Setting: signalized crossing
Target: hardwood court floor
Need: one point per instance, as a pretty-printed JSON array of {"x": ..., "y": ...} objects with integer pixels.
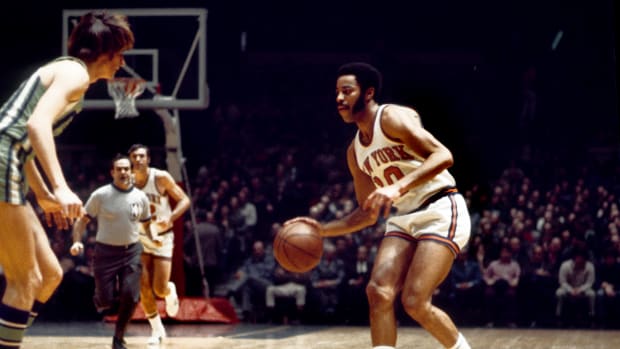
[{"x": 96, "y": 335}]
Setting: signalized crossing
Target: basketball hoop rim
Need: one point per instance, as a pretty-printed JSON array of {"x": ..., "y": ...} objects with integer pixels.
[{"x": 124, "y": 91}]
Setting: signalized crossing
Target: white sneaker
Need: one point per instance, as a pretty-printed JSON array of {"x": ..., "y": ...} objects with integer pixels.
[
  {"x": 156, "y": 338},
  {"x": 172, "y": 300},
  {"x": 158, "y": 332}
]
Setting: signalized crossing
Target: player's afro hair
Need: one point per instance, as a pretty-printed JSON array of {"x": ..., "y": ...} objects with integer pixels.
[{"x": 365, "y": 74}]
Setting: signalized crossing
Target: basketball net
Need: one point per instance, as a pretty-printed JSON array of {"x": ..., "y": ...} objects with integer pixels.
[{"x": 124, "y": 91}]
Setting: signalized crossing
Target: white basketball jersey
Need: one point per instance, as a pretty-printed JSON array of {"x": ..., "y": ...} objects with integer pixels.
[
  {"x": 386, "y": 161},
  {"x": 160, "y": 204}
]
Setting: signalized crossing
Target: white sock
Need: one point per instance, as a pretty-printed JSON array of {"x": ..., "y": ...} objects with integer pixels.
[
  {"x": 156, "y": 324},
  {"x": 461, "y": 343},
  {"x": 383, "y": 347}
]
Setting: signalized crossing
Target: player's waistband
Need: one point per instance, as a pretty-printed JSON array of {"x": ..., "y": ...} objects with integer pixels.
[
  {"x": 117, "y": 247},
  {"x": 438, "y": 195}
]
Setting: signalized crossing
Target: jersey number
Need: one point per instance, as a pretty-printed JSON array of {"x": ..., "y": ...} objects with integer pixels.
[{"x": 391, "y": 175}]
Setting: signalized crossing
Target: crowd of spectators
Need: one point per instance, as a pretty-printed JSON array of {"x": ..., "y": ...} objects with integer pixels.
[
  {"x": 543, "y": 253},
  {"x": 544, "y": 249}
]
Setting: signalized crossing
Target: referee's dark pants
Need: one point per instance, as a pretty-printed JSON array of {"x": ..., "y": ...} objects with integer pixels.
[{"x": 117, "y": 281}]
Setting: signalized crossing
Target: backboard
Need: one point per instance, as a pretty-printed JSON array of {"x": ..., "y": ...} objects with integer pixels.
[{"x": 170, "y": 54}]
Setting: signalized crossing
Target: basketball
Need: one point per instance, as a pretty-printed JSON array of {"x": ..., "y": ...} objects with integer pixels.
[{"x": 298, "y": 247}]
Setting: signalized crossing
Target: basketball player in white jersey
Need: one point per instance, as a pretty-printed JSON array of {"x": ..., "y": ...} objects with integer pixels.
[
  {"x": 160, "y": 187},
  {"x": 398, "y": 165}
]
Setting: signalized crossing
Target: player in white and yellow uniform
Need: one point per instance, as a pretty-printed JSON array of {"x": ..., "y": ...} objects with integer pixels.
[
  {"x": 396, "y": 163},
  {"x": 160, "y": 187}
]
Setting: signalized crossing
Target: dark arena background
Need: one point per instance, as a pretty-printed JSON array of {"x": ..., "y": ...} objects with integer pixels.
[{"x": 524, "y": 93}]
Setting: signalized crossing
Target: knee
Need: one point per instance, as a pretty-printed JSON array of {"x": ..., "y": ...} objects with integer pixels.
[
  {"x": 379, "y": 296},
  {"x": 416, "y": 306},
  {"x": 160, "y": 292}
]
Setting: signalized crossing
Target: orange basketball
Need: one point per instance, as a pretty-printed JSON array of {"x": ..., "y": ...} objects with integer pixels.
[{"x": 298, "y": 247}]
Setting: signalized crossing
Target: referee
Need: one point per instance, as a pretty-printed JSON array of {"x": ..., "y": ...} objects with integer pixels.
[{"x": 119, "y": 209}]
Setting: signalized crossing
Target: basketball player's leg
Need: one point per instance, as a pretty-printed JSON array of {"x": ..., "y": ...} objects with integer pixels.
[
  {"x": 386, "y": 280},
  {"x": 18, "y": 257},
  {"x": 51, "y": 271},
  {"x": 163, "y": 287},
  {"x": 430, "y": 265},
  {"x": 147, "y": 297},
  {"x": 148, "y": 300},
  {"x": 21, "y": 270},
  {"x": 162, "y": 268}
]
